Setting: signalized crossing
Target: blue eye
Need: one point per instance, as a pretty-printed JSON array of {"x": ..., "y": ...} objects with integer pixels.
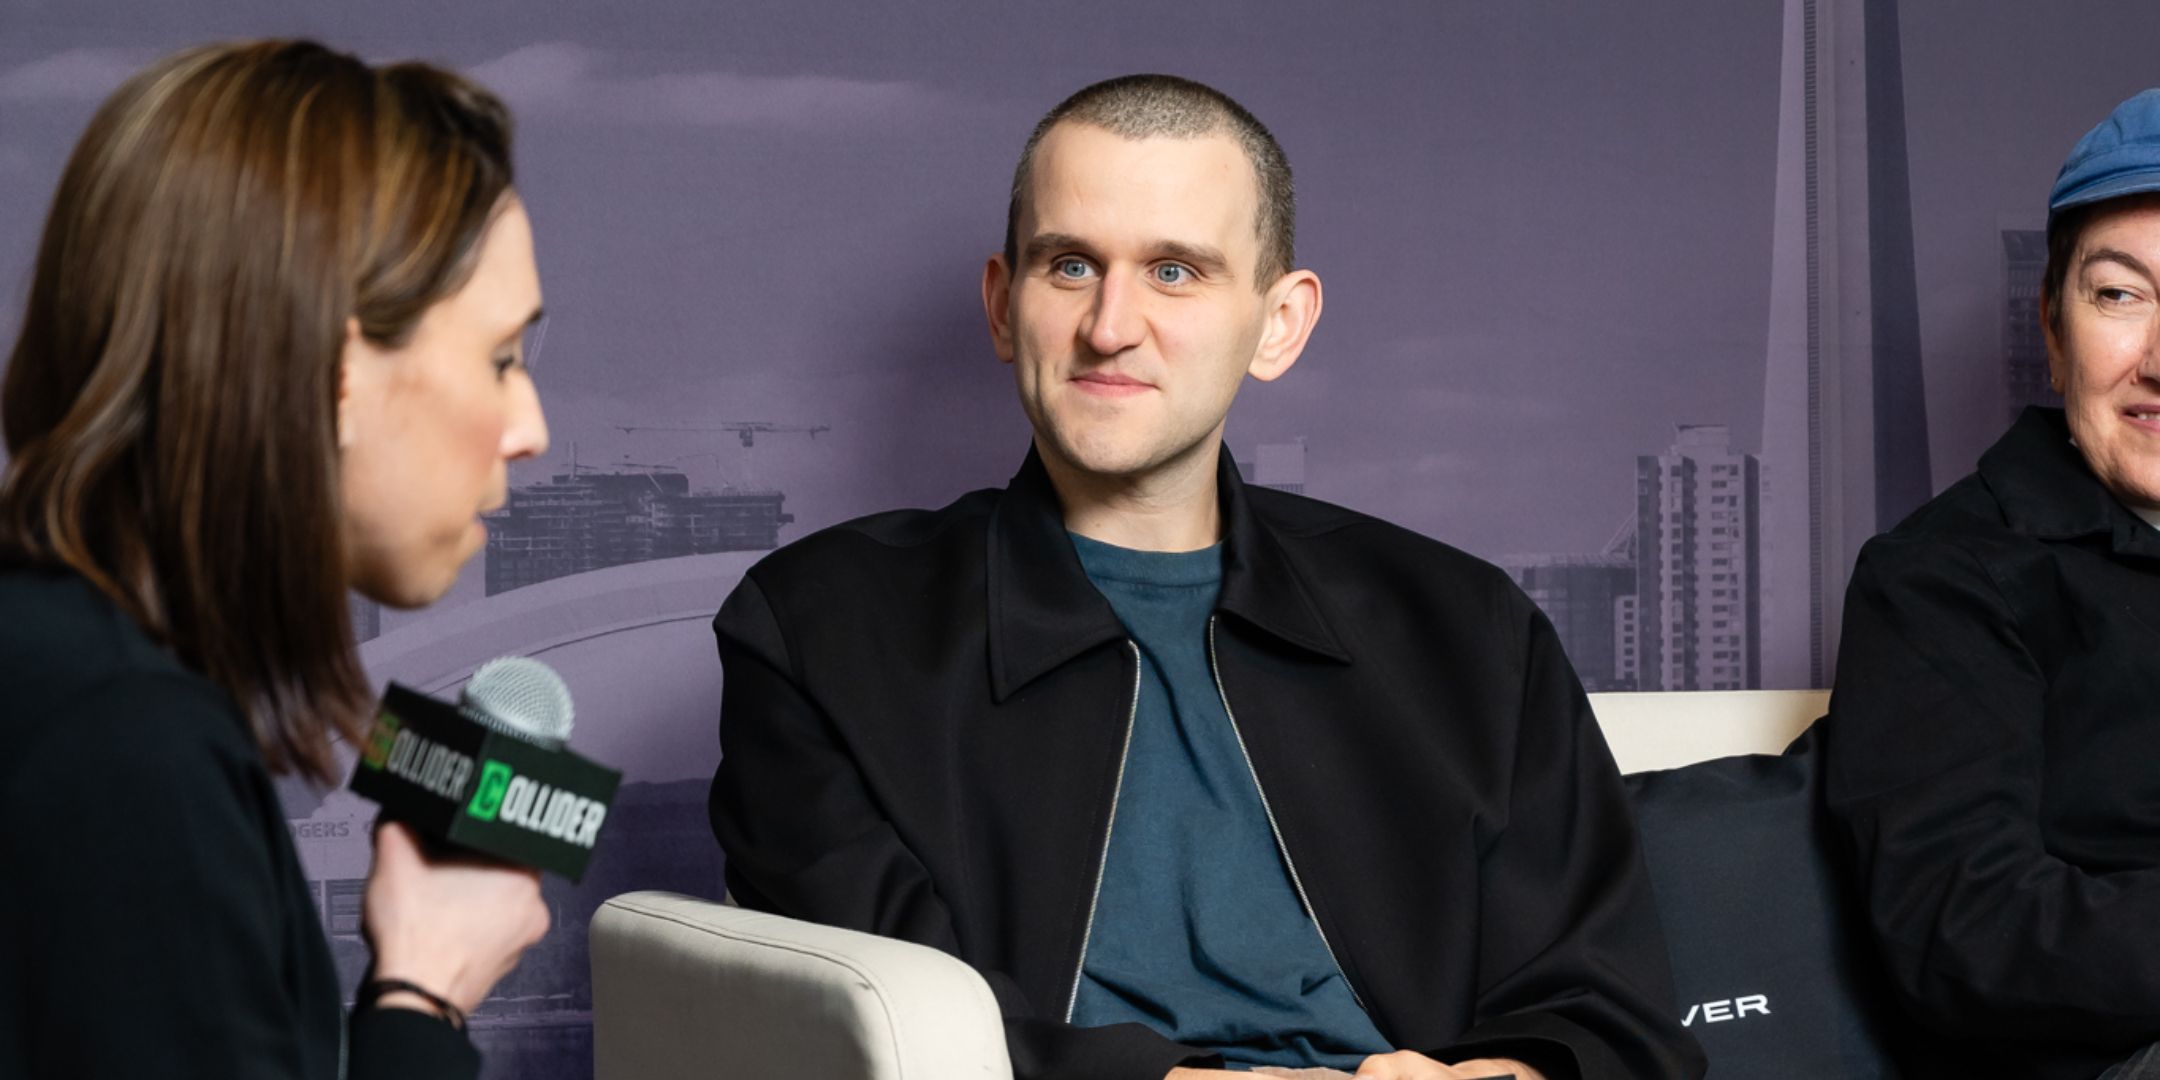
[
  {"x": 1172, "y": 274},
  {"x": 1070, "y": 269}
]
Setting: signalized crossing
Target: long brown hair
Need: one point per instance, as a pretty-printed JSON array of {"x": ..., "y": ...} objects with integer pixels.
[{"x": 171, "y": 403}]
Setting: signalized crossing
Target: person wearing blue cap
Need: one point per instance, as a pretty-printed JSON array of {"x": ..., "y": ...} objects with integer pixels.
[{"x": 1992, "y": 746}]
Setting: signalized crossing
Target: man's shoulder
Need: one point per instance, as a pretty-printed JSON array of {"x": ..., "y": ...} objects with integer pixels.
[
  {"x": 874, "y": 543},
  {"x": 1337, "y": 542}
]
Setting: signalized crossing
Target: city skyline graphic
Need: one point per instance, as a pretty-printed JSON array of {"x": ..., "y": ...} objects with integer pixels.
[{"x": 1665, "y": 309}]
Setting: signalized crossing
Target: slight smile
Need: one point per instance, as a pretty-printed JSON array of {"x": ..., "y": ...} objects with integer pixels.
[{"x": 1109, "y": 384}]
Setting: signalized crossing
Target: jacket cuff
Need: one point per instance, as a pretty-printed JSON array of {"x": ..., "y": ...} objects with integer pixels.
[{"x": 408, "y": 1044}]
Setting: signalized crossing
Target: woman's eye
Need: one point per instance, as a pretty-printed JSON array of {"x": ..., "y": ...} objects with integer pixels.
[{"x": 503, "y": 364}]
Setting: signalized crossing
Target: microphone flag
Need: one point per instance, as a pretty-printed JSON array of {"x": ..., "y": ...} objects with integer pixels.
[{"x": 434, "y": 769}]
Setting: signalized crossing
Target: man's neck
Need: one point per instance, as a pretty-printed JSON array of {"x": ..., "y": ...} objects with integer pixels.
[{"x": 1173, "y": 508}]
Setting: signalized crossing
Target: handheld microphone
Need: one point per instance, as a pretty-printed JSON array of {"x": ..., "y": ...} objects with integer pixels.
[{"x": 490, "y": 774}]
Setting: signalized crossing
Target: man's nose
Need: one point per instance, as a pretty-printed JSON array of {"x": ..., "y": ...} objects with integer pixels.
[{"x": 1116, "y": 322}]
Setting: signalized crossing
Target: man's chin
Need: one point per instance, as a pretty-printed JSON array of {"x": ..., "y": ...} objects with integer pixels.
[{"x": 1109, "y": 460}]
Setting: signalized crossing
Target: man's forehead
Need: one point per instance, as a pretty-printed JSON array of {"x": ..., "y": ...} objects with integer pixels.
[{"x": 1085, "y": 178}]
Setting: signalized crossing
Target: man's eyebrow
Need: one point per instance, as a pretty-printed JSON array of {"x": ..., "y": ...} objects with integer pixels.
[
  {"x": 2113, "y": 255},
  {"x": 1199, "y": 256},
  {"x": 1046, "y": 243}
]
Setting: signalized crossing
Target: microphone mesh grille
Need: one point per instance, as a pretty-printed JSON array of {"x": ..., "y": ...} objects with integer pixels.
[{"x": 519, "y": 696}]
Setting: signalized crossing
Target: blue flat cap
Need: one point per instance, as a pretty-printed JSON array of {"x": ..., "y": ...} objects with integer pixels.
[{"x": 2120, "y": 157}]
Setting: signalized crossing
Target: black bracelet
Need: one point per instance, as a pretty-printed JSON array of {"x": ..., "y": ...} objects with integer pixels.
[{"x": 372, "y": 991}]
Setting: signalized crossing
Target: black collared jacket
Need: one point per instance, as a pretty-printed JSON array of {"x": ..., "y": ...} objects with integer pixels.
[
  {"x": 924, "y": 723},
  {"x": 1993, "y": 757}
]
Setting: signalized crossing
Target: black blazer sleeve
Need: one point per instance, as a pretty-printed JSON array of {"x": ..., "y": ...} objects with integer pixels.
[
  {"x": 805, "y": 839},
  {"x": 144, "y": 916},
  {"x": 1573, "y": 973},
  {"x": 1936, "y": 742}
]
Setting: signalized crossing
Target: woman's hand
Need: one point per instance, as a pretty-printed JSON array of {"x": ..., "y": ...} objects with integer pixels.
[{"x": 454, "y": 927}]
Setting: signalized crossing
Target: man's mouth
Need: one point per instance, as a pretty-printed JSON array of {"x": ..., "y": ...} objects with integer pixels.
[{"x": 1110, "y": 383}]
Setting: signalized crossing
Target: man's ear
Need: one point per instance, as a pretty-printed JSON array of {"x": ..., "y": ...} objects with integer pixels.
[
  {"x": 1292, "y": 307},
  {"x": 997, "y": 305}
]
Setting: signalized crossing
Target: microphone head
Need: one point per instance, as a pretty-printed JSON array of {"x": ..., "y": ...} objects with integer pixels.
[{"x": 519, "y": 696}]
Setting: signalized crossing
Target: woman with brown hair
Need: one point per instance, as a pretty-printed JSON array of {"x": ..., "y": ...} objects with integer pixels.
[{"x": 271, "y": 351}]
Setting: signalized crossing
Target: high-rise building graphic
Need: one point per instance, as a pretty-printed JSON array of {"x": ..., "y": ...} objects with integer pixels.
[
  {"x": 1627, "y": 643},
  {"x": 587, "y": 519},
  {"x": 2024, "y": 347},
  {"x": 1590, "y": 602},
  {"x": 1845, "y": 443},
  {"x": 1697, "y": 610}
]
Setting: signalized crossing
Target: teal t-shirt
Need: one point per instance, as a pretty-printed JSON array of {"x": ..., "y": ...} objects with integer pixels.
[{"x": 1198, "y": 931}]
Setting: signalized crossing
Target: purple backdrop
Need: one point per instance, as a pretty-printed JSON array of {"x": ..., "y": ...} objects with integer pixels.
[{"x": 1563, "y": 248}]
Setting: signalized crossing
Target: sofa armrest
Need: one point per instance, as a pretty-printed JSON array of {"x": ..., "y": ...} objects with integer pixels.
[
  {"x": 687, "y": 988},
  {"x": 1654, "y": 730}
]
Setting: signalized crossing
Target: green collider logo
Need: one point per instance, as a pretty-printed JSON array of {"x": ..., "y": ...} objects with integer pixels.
[
  {"x": 487, "y": 798},
  {"x": 506, "y": 796}
]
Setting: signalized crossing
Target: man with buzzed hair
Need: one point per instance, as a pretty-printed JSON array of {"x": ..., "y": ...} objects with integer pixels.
[{"x": 1198, "y": 775}]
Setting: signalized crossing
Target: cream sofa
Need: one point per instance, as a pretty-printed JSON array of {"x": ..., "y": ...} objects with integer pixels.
[{"x": 686, "y": 988}]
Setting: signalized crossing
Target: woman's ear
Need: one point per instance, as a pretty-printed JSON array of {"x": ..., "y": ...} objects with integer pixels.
[{"x": 355, "y": 377}]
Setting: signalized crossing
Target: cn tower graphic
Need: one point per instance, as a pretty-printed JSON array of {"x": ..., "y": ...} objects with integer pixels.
[{"x": 1845, "y": 442}]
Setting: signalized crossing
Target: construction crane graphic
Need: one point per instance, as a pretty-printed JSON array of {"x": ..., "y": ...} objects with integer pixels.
[{"x": 746, "y": 430}]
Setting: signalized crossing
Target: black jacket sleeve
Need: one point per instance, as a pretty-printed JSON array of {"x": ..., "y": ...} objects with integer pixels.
[
  {"x": 1573, "y": 974},
  {"x": 403, "y": 1044},
  {"x": 146, "y": 911},
  {"x": 1934, "y": 757},
  {"x": 805, "y": 839}
]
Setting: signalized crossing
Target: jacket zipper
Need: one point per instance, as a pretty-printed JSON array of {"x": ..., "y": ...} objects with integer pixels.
[
  {"x": 1087, "y": 932},
  {"x": 1267, "y": 808}
]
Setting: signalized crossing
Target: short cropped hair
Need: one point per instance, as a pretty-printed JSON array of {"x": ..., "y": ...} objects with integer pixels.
[{"x": 1166, "y": 106}]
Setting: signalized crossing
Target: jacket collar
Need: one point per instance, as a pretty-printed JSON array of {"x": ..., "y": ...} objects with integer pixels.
[
  {"x": 2047, "y": 490},
  {"x": 1043, "y": 610}
]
